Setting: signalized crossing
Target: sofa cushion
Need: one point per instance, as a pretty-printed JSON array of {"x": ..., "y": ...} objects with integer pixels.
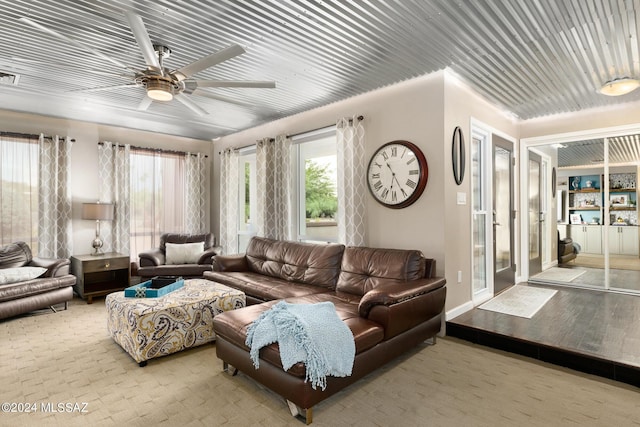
[
  {"x": 261, "y": 287},
  {"x": 364, "y": 268},
  {"x": 16, "y": 254},
  {"x": 305, "y": 263},
  {"x": 183, "y": 253},
  {"x": 15, "y": 291},
  {"x": 20, "y": 274}
]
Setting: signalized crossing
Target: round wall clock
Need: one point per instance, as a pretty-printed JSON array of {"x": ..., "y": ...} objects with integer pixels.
[{"x": 397, "y": 174}]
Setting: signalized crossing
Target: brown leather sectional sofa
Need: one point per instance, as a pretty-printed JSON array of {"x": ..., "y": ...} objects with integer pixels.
[
  {"x": 54, "y": 286},
  {"x": 388, "y": 298}
]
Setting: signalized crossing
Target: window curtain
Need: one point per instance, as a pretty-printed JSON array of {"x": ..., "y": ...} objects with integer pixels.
[
  {"x": 351, "y": 182},
  {"x": 273, "y": 178},
  {"x": 196, "y": 194},
  {"x": 19, "y": 190},
  {"x": 55, "y": 239},
  {"x": 229, "y": 194},
  {"x": 114, "y": 177}
]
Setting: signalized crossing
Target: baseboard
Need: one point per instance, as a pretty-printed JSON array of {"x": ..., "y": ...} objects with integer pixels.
[{"x": 457, "y": 311}]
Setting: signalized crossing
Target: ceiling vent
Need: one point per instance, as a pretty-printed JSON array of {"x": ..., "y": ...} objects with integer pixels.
[{"x": 9, "y": 79}]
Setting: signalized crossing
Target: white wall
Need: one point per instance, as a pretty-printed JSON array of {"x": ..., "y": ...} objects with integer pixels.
[{"x": 84, "y": 157}]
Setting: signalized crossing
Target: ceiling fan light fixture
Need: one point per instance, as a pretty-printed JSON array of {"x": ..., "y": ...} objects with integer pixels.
[
  {"x": 621, "y": 86},
  {"x": 159, "y": 89}
]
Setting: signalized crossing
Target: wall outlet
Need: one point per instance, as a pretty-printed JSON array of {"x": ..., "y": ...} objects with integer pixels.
[{"x": 459, "y": 276}]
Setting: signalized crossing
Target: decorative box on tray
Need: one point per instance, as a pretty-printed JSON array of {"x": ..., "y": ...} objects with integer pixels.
[{"x": 156, "y": 287}]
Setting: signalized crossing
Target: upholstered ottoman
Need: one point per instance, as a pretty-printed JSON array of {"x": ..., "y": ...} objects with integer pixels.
[{"x": 153, "y": 327}]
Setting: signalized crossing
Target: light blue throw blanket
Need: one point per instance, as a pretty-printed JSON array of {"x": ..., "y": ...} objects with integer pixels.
[{"x": 308, "y": 333}]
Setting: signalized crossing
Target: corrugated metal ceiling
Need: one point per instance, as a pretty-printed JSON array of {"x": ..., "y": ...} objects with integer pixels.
[{"x": 532, "y": 58}]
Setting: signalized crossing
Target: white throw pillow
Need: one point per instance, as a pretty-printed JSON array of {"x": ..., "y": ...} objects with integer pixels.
[
  {"x": 183, "y": 253},
  {"x": 20, "y": 274}
]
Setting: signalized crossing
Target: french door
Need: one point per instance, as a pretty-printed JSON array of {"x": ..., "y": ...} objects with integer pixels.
[{"x": 492, "y": 176}]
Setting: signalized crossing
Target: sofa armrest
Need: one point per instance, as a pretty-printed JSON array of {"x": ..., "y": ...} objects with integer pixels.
[
  {"x": 230, "y": 263},
  {"x": 207, "y": 256},
  {"x": 395, "y": 292},
  {"x": 55, "y": 267},
  {"x": 152, "y": 258}
]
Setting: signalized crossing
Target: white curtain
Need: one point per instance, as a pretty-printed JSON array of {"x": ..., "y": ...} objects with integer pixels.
[
  {"x": 273, "y": 177},
  {"x": 351, "y": 182},
  {"x": 55, "y": 238},
  {"x": 196, "y": 194},
  {"x": 114, "y": 177},
  {"x": 229, "y": 194},
  {"x": 19, "y": 190}
]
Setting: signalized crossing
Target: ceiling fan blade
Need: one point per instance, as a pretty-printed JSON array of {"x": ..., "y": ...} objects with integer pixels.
[
  {"x": 72, "y": 41},
  {"x": 191, "y": 105},
  {"x": 99, "y": 88},
  {"x": 142, "y": 38},
  {"x": 236, "y": 83},
  {"x": 209, "y": 61},
  {"x": 145, "y": 103}
]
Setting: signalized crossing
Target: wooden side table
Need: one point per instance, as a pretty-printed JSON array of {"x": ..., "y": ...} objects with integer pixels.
[{"x": 98, "y": 275}]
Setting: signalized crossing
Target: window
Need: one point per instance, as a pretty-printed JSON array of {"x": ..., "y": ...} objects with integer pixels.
[
  {"x": 157, "y": 197},
  {"x": 315, "y": 189},
  {"x": 316, "y": 195},
  {"x": 247, "y": 198},
  {"x": 19, "y": 190}
]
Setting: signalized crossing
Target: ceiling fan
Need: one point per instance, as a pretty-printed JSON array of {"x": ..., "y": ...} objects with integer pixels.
[{"x": 161, "y": 83}]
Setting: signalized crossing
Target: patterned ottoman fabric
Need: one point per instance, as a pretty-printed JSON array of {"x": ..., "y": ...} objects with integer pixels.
[{"x": 153, "y": 327}]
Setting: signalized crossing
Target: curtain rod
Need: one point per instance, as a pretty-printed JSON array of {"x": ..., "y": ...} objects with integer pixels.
[
  {"x": 360, "y": 118},
  {"x": 159, "y": 150},
  {"x": 28, "y": 135}
]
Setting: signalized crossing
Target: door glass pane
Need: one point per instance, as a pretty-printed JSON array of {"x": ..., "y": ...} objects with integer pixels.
[
  {"x": 534, "y": 209},
  {"x": 479, "y": 253},
  {"x": 479, "y": 218},
  {"x": 502, "y": 197}
]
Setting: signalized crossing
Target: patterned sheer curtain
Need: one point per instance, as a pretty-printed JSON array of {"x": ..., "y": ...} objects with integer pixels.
[
  {"x": 55, "y": 238},
  {"x": 274, "y": 198},
  {"x": 351, "y": 182},
  {"x": 196, "y": 194},
  {"x": 114, "y": 176},
  {"x": 229, "y": 194},
  {"x": 19, "y": 190}
]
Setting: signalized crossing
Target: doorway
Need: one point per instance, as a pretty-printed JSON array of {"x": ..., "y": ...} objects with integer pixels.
[
  {"x": 597, "y": 175},
  {"x": 493, "y": 214}
]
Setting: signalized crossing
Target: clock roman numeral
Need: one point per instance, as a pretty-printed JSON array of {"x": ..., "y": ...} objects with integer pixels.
[
  {"x": 377, "y": 185},
  {"x": 375, "y": 175},
  {"x": 411, "y": 183},
  {"x": 411, "y": 160},
  {"x": 404, "y": 193},
  {"x": 414, "y": 172},
  {"x": 394, "y": 151},
  {"x": 384, "y": 193},
  {"x": 394, "y": 196},
  {"x": 385, "y": 155}
]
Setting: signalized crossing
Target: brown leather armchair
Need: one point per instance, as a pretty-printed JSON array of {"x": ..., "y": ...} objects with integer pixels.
[
  {"x": 566, "y": 250},
  {"x": 154, "y": 261}
]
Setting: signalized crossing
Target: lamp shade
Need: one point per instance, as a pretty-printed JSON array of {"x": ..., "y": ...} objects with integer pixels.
[{"x": 99, "y": 211}]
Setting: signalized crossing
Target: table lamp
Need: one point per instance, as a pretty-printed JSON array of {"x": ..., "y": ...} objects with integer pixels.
[{"x": 98, "y": 212}]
